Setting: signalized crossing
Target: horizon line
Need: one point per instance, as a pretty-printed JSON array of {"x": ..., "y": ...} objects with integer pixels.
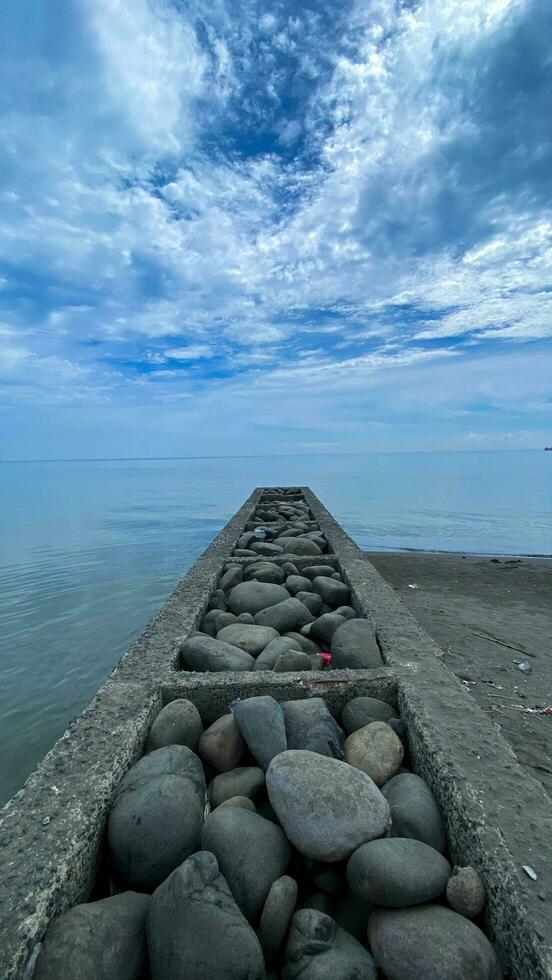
[{"x": 364, "y": 452}]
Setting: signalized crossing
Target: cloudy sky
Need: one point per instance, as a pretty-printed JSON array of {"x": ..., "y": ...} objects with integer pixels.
[{"x": 258, "y": 227}]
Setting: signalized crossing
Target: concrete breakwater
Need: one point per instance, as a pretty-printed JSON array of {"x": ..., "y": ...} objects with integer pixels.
[{"x": 55, "y": 845}]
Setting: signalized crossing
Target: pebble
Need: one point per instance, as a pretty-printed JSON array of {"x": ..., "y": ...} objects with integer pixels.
[
  {"x": 376, "y": 750},
  {"x": 466, "y": 892},
  {"x": 354, "y": 645},
  {"x": 397, "y": 872},
  {"x": 221, "y": 746},
  {"x": 178, "y": 723},
  {"x": 414, "y": 810},
  {"x": 261, "y": 723},
  {"x": 244, "y": 781},
  {"x": 276, "y": 915},
  {"x": 318, "y": 949}
]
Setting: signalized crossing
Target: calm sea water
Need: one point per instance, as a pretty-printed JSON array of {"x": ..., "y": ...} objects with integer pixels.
[{"x": 89, "y": 550}]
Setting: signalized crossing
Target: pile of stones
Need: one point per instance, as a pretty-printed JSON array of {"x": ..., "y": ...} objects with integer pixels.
[{"x": 277, "y": 842}]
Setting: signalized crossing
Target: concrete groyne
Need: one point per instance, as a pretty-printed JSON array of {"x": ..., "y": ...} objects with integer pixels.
[{"x": 53, "y": 833}]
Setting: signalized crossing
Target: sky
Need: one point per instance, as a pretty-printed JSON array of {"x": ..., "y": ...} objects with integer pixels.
[{"x": 274, "y": 227}]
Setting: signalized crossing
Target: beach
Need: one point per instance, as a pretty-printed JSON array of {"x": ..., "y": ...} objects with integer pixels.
[{"x": 489, "y": 615}]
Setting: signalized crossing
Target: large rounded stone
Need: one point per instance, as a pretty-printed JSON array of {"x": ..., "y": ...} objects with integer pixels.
[
  {"x": 178, "y": 723},
  {"x": 312, "y": 571},
  {"x": 397, "y": 872},
  {"x": 270, "y": 654},
  {"x": 376, "y": 750},
  {"x": 354, "y": 645},
  {"x": 306, "y": 645},
  {"x": 252, "y": 639},
  {"x": 242, "y": 801},
  {"x": 361, "y": 711},
  {"x": 298, "y": 583},
  {"x": 317, "y": 949},
  {"x": 191, "y": 919},
  {"x": 252, "y": 853},
  {"x": 327, "y": 808},
  {"x": 414, "y": 810},
  {"x": 310, "y": 725},
  {"x": 253, "y": 596},
  {"x": 261, "y": 723},
  {"x": 221, "y": 746},
  {"x": 215, "y": 620},
  {"x": 203, "y": 653},
  {"x": 275, "y": 917},
  {"x": 233, "y": 576},
  {"x": 333, "y": 593},
  {"x": 292, "y": 660},
  {"x": 466, "y": 892},
  {"x": 430, "y": 942},
  {"x": 156, "y": 819},
  {"x": 244, "y": 781},
  {"x": 299, "y": 546},
  {"x": 324, "y": 628},
  {"x": 97, "y": 941},
  {"x": 312, "y": 601},
  {"x": 267, "y": 572},
  {"x": 285, "y": 616}
]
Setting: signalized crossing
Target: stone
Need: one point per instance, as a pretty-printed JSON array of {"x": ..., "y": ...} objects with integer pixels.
[
  {"x": 242, "y": 801},
  {"x": 352, "y": 915},
  {"x": 266, "y": 572},
  {"x": 245, "y": 618},
  {"x": 253, "y": 596},
  {"x": 327, "y": 808},
  {"x": 312, "y": 601},
  {"x": 361, "y": 711},
  {"x": 376, "y": 750},
  {"x": 318, "y": 949},
  {"x": 354, "y": 645},
  {"x": 324, "y": 628},
  {"x": 293, "y": 660},
  {"x": 466, "y": 892},
  {"x": 243, "y": 781},
  {"x": 310, "y": 725},
  {"x": 347, "y": 612},
  {"x": 245, "y": 539},
  {"x": 400, "y": 729},
  {"x": 414, "y": 810},
  {"x": 156, "y": 819},
  {"x": 267, "y": 549},
  {"x": 251, "y": 638},
  {"x": 298, "y": 583},
  {"x": 261, "y": 723},
  {"x": 97, "y": 941},
  {"x": 244, "y": 553},
  {"x": 276, "y": 915},
  {"x": 191, "y": 917},
  {"x": 202, "y": 653},
  {"x": 397, "y": 872},
  {"x": 430, "y": 941},
  {"x": 316, "y": 660},
  {"x": 251, "y": 852},
  {"x": 333, "y": 593},
  {"x": 221, "y": 746},
  {"x": 289, "y": 568},
  {"x": 218, "y": 600},
  {"x": 178, "y": 723},
  {"x": 270, "y": 654},
  {"x": 215, "y": 620},
  {"x": 299, "y": 546},
  {"x": 307, "y": 646},
  {"x": 312, "y": 571},
  {"x": 233, "y": 576},
  {"x": 285, "y": 616}
]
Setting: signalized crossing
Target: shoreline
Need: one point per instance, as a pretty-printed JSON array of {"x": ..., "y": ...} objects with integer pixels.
[{"x": 456, "y": 554}]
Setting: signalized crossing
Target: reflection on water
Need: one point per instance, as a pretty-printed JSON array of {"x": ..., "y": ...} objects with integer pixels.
[{"x": 89, "y": 550}]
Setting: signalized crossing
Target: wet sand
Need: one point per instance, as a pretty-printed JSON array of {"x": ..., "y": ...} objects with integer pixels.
[{"x": 488, "y": 615}]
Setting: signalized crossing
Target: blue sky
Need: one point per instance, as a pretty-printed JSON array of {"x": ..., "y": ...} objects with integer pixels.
[{"x": 274, "y": 227}]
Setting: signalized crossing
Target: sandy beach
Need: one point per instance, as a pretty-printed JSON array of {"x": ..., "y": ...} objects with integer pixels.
[{"x": 489, "y": 615}]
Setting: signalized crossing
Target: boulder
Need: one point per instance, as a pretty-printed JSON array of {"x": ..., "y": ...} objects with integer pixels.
[
  {"x": 276, "y": 915},
  {"x": 361, "y": 711},
  {"x": 311, "y": 571},
  {"x": 202, "y": 653},
  {"x": 267, "y": 572},
  {"x": 232, "y": 576},
  {"x": 354, "y": 645},
  {"x": 310, "y": 725},
  {"x": 253, "y": 596},
  {"x": 292, "y": 660},
  {"x": 298, "y": 583},
  {"x": 397, "y": 872},
  {"x": 376, "y": 750},
  {"x": 178, "y": 723},
  {"x": 324, "y": 628},
  {"x": 285, "y": 616},
  {"x": 312, "y": 601},
  {"x": 299, "y": 546},
  {"x": 289, "y": 568},
  {"x": 97, "y": 941},
  {"x": 333, "y": 593},
  {"x": 191, "y": 919},
  {"x": 266, "y": 549},
  {"x": 251, "y": 638},
  {"x": 261, "y": 723},
  {"x": 221, "y": 746},
  {"x": 414, "y": 810},
  {"x": 430, "y": 941},
  {"x": 251, "y": 852},
  {"x": 270, "y": 654},
  {"x": 317, "y": 949},
  {"x": 244, "y": 781},
  {"x": 327, "y": 808}
]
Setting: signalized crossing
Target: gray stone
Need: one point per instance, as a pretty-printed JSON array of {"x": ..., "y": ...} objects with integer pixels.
[
  {"x": 243, "y": 801},
  {"x": 252, "y": 853},
  {"x": 156, "y": 819},
  {"x": 376, "y": 750},
  {"x": 298, "y": 583},
  {"x": 333, "y": 593},
  {"x": 323, "y": 629},
  {"x": 276, "y": 915},
  {"x": 307, "y": 646},
  {"x": 430, "y": 942},
  {"x": 178, "y": 723},
  {"x": 414, "y": 810},
  {"x": 251, "y": 638},
  {"x": 270, "y": 654},
  {"x": 316, "y": 660},
  {"x": 266, "y": 549},
  {"x": 253, "y": 596},
  {"x": 312, "y": 571},
  {"x": 310, "y": 725},
  {"x": 243, "y": 781},
  {"x": 285, "y": 616},
  {"x": 299, "y": 546},
  {"x": 261, "y": 723},
  {"x": 466, "y": 892},
  {"x": 327, "y": 808},
  {"x": 218, "y": 600},
  {"x": 97, "y": 941},
  {"x": 293, "y": 660},
  {"x": 191, "y": 917},
  {"x": 221, "y": 746},
  {"x": 202, "y": 653},
  {"x": 347, "y": 612},
  {"x": 317, "y": 949},
  {"x": 397, "y": 872},
  {"x": 244, "y": 553},
  {"x": 267, "y": 572},
  {"x": 354, "y": 645},
  {"x": 361, "y": 711},
  {"x": 289, "y": 568},
  {"x": 246, "y": 618},
  {"x": 312, "y": 601},
  {"x": 233, "y": 576},
  {"x": 215, "y": 620},
  {"x": 245, "y": 539}
]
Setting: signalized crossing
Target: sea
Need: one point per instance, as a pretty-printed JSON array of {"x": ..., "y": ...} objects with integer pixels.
[{"x": 89, "y": 549}]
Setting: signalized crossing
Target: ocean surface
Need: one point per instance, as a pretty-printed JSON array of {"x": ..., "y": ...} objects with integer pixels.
[{"x": 90, "y": 549}]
